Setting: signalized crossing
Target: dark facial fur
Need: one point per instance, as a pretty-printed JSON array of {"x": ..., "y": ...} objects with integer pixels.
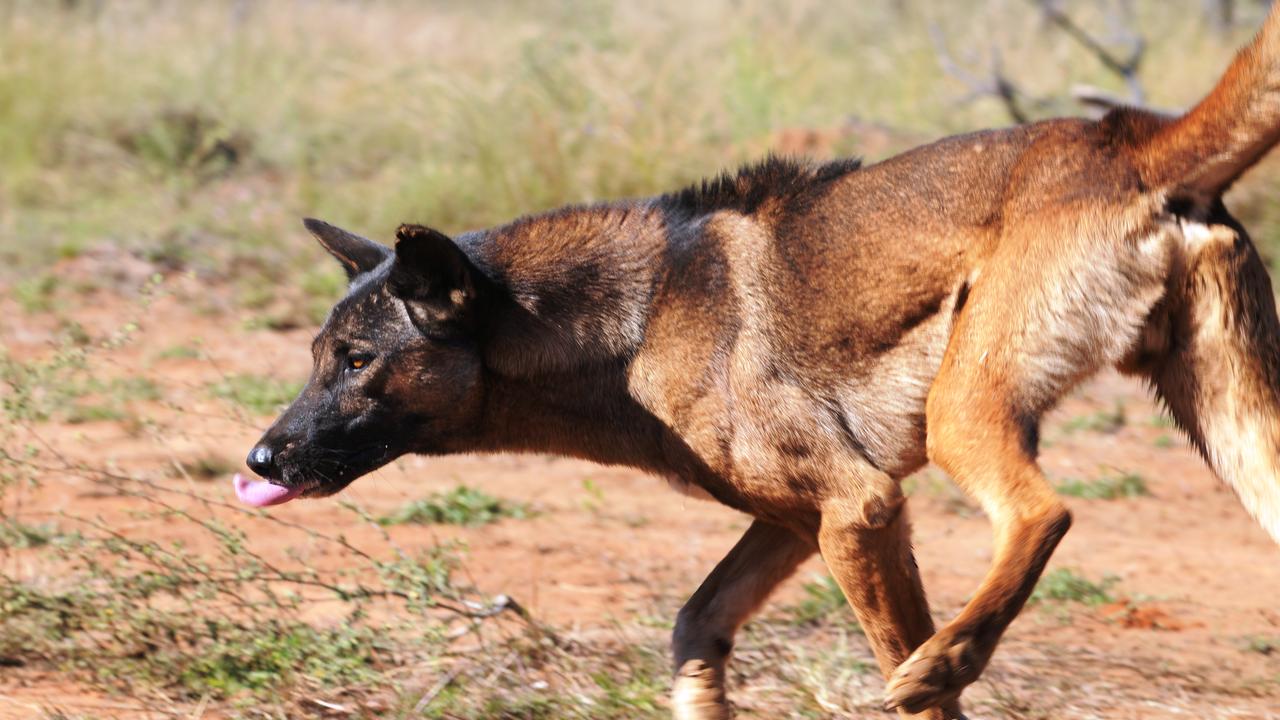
[{"x": 393, "y": 333}]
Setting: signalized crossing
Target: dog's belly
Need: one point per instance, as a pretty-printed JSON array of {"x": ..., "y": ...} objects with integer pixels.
[
  {"x": 770, "y": 443},
  {"x": 884, "y": 404},
  {"x": 775, "y": 397}
]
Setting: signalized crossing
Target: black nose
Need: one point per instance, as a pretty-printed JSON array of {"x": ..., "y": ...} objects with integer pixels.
[{"x": 262, "y": 461}]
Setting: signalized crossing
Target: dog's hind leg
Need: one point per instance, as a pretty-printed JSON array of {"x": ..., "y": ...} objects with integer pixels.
[
  {"x": 703, "y": 639},
  {"x": 1219, "y": 372},
  {"x": 871, "y": 559},
  {"x": 1031, "y": 329}
]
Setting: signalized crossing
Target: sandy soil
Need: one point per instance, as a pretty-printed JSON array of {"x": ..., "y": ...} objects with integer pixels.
[{"x": 1197, "y": 579}]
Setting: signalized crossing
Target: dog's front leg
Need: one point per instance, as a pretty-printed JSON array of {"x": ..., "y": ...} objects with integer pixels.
[
  {"x": 703, "y": 639},
  {"x": 869, "y": 554}
]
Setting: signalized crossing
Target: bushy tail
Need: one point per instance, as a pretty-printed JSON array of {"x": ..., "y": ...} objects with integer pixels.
[
  {"x": 1221, "y": 379},
  {"x": 1204, "y": 151}
]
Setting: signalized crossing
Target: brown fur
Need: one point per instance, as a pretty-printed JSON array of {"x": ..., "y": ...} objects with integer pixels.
[{"x": 795, "y": 339}]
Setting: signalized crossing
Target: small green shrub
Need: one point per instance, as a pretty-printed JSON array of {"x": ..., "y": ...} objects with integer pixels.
[
  {"x": 262, "y": 658},
  {"x": 36, "y": 294},
  {"x": 208, "y": 467},
  {"x": 179, "y": 352},
  {"x": 460, "y": 506},
  {"x": 823, "y": 601},
  {"x": 1103, "y": 421},
  {"x": 1111, "y": 487},
  {"x": 20, "y": 536},
  {"x": 184, "y": 143},
  {"x": 1262, "y": 645},
  {"x": 256, "y": 393},
  {"x": 1064, "y": 585},
  {"x": 115, "y": 396}
]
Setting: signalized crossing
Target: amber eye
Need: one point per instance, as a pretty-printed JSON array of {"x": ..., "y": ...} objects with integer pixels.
[{"x": 357, "y": 361}]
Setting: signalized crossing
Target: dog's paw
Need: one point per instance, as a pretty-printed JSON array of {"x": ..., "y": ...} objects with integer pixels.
[
  {"x": 934, "y": 675},
  {"x": 698, "y": 694}
]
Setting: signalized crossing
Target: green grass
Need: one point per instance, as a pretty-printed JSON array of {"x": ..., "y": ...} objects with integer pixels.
[
  {"x": 261, "y": 659},
  {"x": 20, "y": 536},
  {"x": 110, "y": 401},
  {"x": 936, "y": 485},
  {"x": 209, "y": 467},
  {"x": 823, "y": 601},
  {"x": 36, "y": 294},
  {"x": 64, "y": 387},
  {"x": 180, "y": 352},
  {"x": 1263, "y": 645},
  {"x": 202, "y": 155},
  {"x": 629, "y": 682},
  {"x": 594, "y": 500},
  {"x": 1109, "y": 487},
  {"x": 460, "y": 506},
  {"x": 1103, "y": 421},
  {"x": 321, "y": 287},
  {"x": 638, "y": 693},
  {"x": 121, "y": 640},
  {"x": 1066, "y": 586},
  {"x": 259, "y": 394}
]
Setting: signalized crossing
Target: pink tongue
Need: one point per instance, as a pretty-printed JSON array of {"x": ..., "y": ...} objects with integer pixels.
[{"x": 260, "y": 493}]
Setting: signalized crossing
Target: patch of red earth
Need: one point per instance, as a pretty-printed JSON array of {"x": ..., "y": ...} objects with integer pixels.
[{"x": 609, "y": 544}]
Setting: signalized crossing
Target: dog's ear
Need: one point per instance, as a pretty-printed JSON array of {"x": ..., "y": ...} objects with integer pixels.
[
  {"x": 432, "y": 275},
  {"x": 358, "y": 255}
]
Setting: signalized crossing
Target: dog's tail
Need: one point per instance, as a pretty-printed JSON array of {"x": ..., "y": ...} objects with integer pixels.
[
  {"x": 1220, "y": 377},
  {"x": 1204, "y": 151}
]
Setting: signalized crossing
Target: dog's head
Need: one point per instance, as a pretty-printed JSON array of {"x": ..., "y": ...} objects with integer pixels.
[{"x": 396, "y": 368}]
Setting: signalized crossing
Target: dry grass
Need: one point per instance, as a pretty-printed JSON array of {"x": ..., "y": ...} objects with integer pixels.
[{"x": 195, "y": 134}]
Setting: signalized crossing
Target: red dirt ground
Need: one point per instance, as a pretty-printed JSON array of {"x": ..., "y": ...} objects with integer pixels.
[{"x": 1197, "y": 579}]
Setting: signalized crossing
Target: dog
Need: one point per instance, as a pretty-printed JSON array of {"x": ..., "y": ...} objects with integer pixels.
[{"x": 794, "y": 339}]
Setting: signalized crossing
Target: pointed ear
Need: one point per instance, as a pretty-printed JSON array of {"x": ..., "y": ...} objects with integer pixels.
[
  {"x": 432, "y": 275},
  {"x": 358, "y": 255}
]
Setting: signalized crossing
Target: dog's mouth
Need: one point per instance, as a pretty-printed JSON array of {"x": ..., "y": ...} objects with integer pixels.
[
  {"x": 255, "y": 492},
  {"x": 259, "y": 492}
]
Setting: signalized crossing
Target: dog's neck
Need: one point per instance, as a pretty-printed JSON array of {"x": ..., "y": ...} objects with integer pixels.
[
  {"x": 571, "y": 296},
  {"x": 569, "y": 288},
  {"x": 586, "y": 414}
]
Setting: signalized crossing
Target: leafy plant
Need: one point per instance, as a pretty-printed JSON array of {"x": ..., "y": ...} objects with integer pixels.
[
  {"x": 823, "y": 601},
  {"x": 1064, "y": 585},
  {"x": 1110, "y": 487},
  {"x": 258, "y": 394},
  {"x": 1262, "y": 645},
  {"x": 19, "y": 535},
  {"x": 36, "y": 294},
  {"x": 208, "y": 467},
  {"x": 1103, "y": 421},
  {"x": 460, "y": 506}
]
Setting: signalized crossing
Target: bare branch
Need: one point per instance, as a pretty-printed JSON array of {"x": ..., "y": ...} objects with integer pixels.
[
  {"x": 996, "y": 84},
  {"x": 1125, "y": 67}
]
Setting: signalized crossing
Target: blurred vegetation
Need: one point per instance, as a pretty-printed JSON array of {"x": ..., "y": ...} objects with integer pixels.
[
  {"x": 1108, "y": 487},
  {"x": 258, "y": 394},
  {"x": 1064, "y": 585},
  {"x": 194, "y": 134},
  {"x": 460, "y": 506},
  {"x": 823, "y": 602}
]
